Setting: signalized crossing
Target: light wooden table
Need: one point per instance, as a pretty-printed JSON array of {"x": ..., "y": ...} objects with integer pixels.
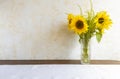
[{"x": 33, "y": 62}]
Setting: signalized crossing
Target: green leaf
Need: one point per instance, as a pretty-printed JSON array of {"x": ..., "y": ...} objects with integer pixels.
[{"x": 98, "y": 36}]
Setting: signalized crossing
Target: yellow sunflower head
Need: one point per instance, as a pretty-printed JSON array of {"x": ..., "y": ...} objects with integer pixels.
[
  {"x": 70, "y": 18},
  {"x": 79, "y": 24},
  {"x": 102, "y": 20}
]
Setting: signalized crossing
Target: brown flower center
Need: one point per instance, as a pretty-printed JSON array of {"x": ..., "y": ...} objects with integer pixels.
[
  {"x": 70, "y": 21},
  {"x": 79, "y": 24},
  {"x": 101, "y": 20}
]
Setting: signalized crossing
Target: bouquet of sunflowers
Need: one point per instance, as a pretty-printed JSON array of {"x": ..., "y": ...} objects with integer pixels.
[{"x": 88, "y": 26}]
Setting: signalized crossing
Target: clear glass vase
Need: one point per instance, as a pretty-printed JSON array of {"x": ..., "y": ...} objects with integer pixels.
[{"x": 85, "y": 51}]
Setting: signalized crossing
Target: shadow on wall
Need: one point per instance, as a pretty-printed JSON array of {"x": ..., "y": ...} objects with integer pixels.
[
  {"x": 58, "y": 43},
  {"x": 2, "y": 1},
  {"x": 63, "y": 41}
]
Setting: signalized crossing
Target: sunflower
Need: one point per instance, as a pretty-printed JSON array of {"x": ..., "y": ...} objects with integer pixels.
[
  {"x": 79, "y": 24},
  {"x": 102, "y": 20},
  {"x": 70, "y": 18}
]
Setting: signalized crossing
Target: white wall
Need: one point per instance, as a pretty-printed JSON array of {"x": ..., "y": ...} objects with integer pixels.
[{"x": 37, "y": 29}]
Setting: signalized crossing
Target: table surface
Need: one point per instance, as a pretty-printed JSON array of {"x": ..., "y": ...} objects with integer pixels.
[
  {"x": 30, "y": 62},
  {"x": 59, "y": 71}
]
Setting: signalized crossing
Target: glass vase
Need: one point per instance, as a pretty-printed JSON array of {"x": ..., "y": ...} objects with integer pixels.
[{"x": 85, "y": 51}]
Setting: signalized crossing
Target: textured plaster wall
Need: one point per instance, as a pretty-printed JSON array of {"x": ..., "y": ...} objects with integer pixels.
[{"x": 37, "y": 29}]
